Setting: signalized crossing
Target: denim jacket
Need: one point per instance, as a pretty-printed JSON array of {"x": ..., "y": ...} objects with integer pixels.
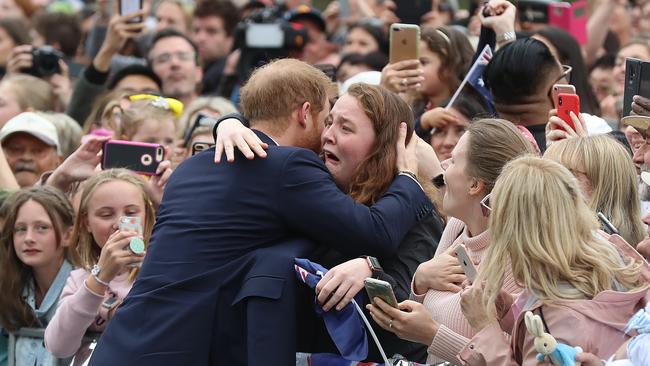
[{"x": 31, "y": 351}]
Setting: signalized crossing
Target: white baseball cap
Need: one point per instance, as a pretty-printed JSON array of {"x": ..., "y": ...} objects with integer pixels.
[{"x": 33, "y": 124}]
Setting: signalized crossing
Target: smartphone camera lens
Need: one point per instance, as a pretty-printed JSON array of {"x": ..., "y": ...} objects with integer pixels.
[{"x": 146, "y": 160}]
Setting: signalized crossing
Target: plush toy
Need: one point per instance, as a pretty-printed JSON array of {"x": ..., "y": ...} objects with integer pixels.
[{"x": 558, "y": 354}]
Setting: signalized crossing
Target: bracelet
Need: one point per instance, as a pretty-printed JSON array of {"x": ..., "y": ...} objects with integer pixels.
[
  {"x": 506, "y": 37},
  {"x": 96, "y": 277},
  {"x": 409, "y": 173}
]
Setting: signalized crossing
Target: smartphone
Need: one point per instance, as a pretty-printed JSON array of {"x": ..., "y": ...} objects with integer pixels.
[
  {"x": 140, "y": 157},
  {"x": 380, "y": 289},
  {"x": 466, "y": 262},
  {"x": 131, "y": 223},
  {"x": 561, "y": 88},
  {"x": 571, "y": 17},
  {"x": 201, "y": 120},
  {"x": 128, "y": 7},
  {"x": 606, "y": 225},
  {"x": 404, "y": 42},
  {"x": 197, "y": 147},
  {"x": 637, "y": 82},
  {"x": 567, "y": 103}
]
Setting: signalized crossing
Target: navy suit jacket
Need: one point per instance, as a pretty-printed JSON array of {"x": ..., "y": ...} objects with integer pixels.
[{"x": 217, "y": 285}]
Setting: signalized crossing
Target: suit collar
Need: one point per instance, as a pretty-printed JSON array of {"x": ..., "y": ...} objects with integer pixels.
[{"x": 266, "y": 138}]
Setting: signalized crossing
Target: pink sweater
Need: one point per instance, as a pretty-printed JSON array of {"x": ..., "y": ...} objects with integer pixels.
[
  {"x": 78, "y": 312},
  {"x": 455, "y": 332}
]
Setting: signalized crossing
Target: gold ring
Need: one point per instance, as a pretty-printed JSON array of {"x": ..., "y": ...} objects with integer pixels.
[{"x": 390, "y": 324}]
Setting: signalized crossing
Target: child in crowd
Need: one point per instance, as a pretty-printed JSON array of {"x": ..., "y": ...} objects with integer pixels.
[
  {"x": 33, "y": 257},
  {"x": 150, "y": 121},
  {"x": 103, "y": 257}
]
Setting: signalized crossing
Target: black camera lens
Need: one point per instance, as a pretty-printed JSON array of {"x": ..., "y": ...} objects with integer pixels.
[{"x": 45, "y": 62}]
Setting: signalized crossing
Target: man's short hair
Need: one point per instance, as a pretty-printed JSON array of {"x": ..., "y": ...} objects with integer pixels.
[
  {"x": 134, "y": 69},
  {"x": 223, "y": 9},
  {"x": 169, "y": 33},
  {"x": 64, "y": 29},
  {"x": 275, "y": 90}
]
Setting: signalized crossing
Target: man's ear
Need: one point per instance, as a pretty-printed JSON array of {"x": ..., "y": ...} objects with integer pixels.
[{"x": 304, "y": 114}]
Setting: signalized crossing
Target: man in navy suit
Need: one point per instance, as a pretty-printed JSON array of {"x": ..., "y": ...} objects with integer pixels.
[{"x": 217, "y": 284}]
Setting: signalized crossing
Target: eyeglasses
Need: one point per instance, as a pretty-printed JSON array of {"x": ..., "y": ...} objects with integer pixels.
[
  {"x": 168, "y": 104},
  {"x": 485, "y": 206},
  {"x": 166, "y": 57},
  {"x": 565, "y": 78},
  {"x": 566, "y": 74}
]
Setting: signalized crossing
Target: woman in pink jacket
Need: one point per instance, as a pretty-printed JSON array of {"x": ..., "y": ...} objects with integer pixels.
[
  {"x": 576, "y": 281},
  {"x": 101, "y": 253}
]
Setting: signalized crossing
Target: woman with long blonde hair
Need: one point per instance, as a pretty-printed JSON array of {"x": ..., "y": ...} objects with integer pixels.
[
  {"x": 607, "y": 178},
  {"x": 580, "y": 285}
]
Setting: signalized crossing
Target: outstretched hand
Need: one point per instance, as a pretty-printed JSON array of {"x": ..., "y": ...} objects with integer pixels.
[{"x": 79, "y": 166}]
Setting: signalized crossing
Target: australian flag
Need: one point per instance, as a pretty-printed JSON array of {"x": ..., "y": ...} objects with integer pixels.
[
  {"x": 475, "y": 78},
  {"x": 345, "y": 327},
  {"x": 475, "y": 75}
]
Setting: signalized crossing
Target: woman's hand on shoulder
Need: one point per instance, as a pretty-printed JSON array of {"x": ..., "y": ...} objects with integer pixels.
[{"x": 232, "y": 133}]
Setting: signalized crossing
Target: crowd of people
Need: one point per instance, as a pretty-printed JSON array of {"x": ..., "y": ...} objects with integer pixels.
[{"x": 320, "y": 147}]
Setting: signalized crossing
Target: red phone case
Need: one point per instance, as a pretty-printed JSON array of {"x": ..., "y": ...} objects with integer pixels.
[
  {"x": 568, "y": 103},
  {"x": 140, "y": 157}
]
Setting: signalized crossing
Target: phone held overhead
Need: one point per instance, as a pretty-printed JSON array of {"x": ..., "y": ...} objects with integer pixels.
[
  {"x": 404, "y": 42},
  {"x": 140, "y": 157}
]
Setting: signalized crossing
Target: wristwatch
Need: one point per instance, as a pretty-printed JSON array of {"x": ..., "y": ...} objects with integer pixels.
[{"x": 374, "y": 265}]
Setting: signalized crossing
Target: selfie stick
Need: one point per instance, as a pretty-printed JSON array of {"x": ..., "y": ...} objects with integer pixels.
[{"x": 372, "y": 333}]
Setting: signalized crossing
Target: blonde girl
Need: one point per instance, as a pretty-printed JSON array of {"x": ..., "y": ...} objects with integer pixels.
[
  {"x": 576, "y": 281},
  {"x": 607, "y": 179},
  {"x": 101, "y": 252},
  {"x": 149, "y": 121}
]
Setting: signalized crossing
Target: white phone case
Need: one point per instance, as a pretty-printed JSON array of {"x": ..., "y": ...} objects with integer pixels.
[{"x": 466, "y": 262}]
